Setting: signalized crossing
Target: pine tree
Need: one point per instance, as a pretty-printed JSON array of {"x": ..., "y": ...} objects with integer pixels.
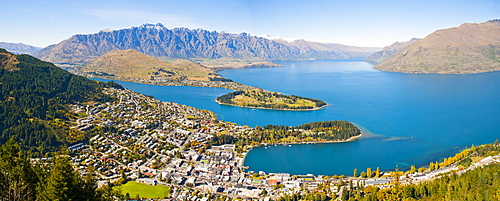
[
  {"x": 63, "y": 182},
  {"x": 18, "y": 178},
  {"x": 90, "y": 186}
]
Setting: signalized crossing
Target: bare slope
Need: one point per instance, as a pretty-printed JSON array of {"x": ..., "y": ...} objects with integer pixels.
[
  {"x": 133, "y": 64},
  {"x": 470, "y": 48}
]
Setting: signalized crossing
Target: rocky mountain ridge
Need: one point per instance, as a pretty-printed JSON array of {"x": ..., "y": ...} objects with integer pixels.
[{"x": 182, "y": 43}]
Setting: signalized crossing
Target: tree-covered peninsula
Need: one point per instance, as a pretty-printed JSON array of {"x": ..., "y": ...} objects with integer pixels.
[
  {"x": 269, "y": 100},
  {"x": 315, "y": 132}
]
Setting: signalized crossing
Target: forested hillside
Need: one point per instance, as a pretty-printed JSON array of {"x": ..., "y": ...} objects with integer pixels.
[{"x": 34, "y": 102}]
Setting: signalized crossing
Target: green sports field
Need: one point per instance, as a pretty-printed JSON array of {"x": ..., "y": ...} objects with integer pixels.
[{"x": 145, "y": 191}]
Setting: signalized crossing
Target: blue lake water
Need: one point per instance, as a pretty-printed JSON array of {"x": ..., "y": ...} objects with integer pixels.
[{"x": 408, "y": 119}]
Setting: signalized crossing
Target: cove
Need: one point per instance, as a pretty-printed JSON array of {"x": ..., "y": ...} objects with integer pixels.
[{"x": 408, "y": 119}]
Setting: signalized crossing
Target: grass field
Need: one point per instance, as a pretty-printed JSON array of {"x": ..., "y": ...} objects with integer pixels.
[{"x": 145, "y": 191}]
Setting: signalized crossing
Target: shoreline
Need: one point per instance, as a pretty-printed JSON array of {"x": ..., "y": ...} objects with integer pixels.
[
  {"x": 139, "y": 81},
  {"x": 190, "y": 83},
  {"x": 319, "y": 108},
  {"x": 351, "y": 139},
  {"x": 244, "y": 154}
]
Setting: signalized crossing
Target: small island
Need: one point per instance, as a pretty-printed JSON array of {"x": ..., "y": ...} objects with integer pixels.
[{"x": 269, "y": 100}]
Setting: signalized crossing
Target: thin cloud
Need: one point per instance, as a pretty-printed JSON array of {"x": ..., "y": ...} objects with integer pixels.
[{"x": 139, "y": 17}]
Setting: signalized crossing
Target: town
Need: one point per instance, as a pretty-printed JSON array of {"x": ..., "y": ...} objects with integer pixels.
[{"x": 164, "y": 143}]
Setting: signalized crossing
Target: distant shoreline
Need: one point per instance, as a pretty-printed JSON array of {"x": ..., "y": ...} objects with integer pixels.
[{"x": 317, "y": 108}]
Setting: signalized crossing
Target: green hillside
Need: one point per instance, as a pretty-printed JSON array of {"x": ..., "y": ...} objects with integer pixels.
[{"x": 34, "y": 102}]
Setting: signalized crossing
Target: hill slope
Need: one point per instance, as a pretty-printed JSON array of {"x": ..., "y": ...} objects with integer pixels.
[
  {"x": 133, "y": 64},
  {"x": 470, "y": 48},
  {"x": 388, "y": 51},
  {"x": 178, "y": 43},
  {"x": 34, "y": 102}
]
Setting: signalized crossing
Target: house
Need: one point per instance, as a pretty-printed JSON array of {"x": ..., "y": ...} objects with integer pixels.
[
  {"x": 138, "y": 124},
  {"x": 191, "y": 181},
  {"x": 292, "y": 184},
  {"x": 272, "y": 182}
]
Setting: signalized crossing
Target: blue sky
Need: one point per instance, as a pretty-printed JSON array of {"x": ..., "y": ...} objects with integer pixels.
[{"x": 350, "y": 22}]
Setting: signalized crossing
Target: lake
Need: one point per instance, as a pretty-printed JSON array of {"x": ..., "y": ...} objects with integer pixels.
[{"x": 408, "y": 119}]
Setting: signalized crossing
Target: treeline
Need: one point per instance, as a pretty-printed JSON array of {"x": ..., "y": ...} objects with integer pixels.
[
  {"x": 220, "y": 79},
  {"x": 271, "y": 100},
  {"x": 478, "y": 184},
  {"x": 21, "y": 179},
  {"x": 34, "y": 99},
  {"x": 482, "y": 183},
  {"x": 228, "y": 98},
  {"x": 309, "y": 132},
  {"x": 315, "y": 131}
]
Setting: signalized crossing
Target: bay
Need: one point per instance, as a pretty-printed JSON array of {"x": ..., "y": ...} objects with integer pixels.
[{"x": 408, "y": 119}]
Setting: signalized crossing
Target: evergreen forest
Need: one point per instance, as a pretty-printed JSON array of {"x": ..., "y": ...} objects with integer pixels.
[
  {"x": 22, "y": 179},
  {"x": 35, "y": 99}
]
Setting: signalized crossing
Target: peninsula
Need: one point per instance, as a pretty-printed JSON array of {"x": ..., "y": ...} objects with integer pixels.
[
  {"x": 131, "y": 65},
  {"x": 270, "y": 100}
]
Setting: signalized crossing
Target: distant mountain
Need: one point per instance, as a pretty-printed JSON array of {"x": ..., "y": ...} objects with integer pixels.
[
  {"x": 470, "y": 48},
  {"x": 19, "y": 48},
  {"x": 182, "y": 43},
  {"x": 133, "y": 64},
  {"x": 388, "y": 51},
  {"x": 315, "y": 50}
]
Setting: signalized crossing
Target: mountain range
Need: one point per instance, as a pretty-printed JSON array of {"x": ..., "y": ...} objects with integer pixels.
[
  {"x": 181, "y": 43},
  {"x": 388, "y": 51},
  {"x": 20, "y": 48},
  {"x": 469, "y": 48}
]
